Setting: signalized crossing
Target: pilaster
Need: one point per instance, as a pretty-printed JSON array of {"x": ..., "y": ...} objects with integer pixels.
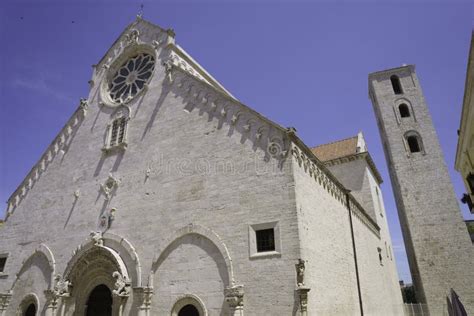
[
  {"x": 143, "y": 296},
  {"x": 234, "y": 296}
]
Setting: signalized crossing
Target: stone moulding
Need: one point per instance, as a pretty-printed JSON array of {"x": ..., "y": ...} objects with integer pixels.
[
  {"x": 59, "y": 145},
  {"x": 362, "y": 155},
  {"x": 45, "y": 251},
  {"x": 316, "y": 170},
  {"x": 199, "y": 230},
  {"x": 237, "y": 115}
]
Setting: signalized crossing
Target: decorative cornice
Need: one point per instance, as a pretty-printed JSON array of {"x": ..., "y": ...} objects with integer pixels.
[
  {"x": 198, "y": 93},
  {"x": 59, "y": 145},
  {"x": 316, "y": 170}
]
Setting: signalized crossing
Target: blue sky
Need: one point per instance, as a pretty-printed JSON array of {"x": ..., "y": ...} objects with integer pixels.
[{"x": 300, "y": 63}]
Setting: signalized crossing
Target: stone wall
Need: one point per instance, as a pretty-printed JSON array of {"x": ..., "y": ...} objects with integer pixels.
[{"x": 438, "y": 246}]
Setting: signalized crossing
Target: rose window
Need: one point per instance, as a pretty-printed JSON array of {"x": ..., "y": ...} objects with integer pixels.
[{"x": 131, "y": 77}]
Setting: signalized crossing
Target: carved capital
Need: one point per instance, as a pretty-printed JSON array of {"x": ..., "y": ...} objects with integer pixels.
[
  {"x": 5, "y": 300},
  {"x": 62, "y": 287},
  {"x": 143, "y": 296},
  {"x": 302, "y": 293},
  {"x": 97, "y": 238},
  {"x": 122, "y": 285},
  {"x": 51, "y": 299},
  {"x": 234, "y": 296}
]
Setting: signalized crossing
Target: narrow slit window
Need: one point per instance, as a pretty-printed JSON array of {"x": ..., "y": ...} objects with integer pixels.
[
  {"x": 396, "y": 85},
  {"x": 404, "y": 111},
  {"x": 413, "y": 144},
  {"x": 3, "y": 261},
  {"x": 265, "y": 240},
  {"x": 470, "y": 182}
]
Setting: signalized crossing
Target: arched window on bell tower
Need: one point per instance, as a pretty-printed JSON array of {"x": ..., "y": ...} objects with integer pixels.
[
  {"x": 396, "y": 85},
  {"x": 404, "y": 110},
  {"x": 414, "y": 142}
]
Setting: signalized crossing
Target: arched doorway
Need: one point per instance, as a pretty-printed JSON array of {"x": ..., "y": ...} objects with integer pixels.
[
  {"x": 188, "y": 310},
  {"x": 99, "y": 302},
  {"x": 31, "y": 310}
]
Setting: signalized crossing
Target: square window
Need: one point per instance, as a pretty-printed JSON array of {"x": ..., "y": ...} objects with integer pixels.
[
  {"x": 265, "y": 240},
  {"x": 3, "y": 261}
]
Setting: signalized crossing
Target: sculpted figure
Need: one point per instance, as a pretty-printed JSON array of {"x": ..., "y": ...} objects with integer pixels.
[
  {"x": 122, "y": 285},
  {"x": 97, "y": 238},
  {"x": 300, "y": 267},
  {"x": 61, "y": 286}
]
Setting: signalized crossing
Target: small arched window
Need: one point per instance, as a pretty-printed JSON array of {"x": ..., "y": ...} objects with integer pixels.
[
  {"x": 404, "y": 111},
  {"x": 116, "y": 134},
  {"x": 413, "y": 144},
  {"x": 396, "y": 85}
]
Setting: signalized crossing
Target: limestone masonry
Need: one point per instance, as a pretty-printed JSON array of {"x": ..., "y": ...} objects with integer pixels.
[
  {"x": 164, "y": 195},
  {"x": 439, "y": 249}
]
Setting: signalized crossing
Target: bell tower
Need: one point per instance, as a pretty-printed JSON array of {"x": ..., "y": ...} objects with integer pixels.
[{"x": 440, "y": 252}]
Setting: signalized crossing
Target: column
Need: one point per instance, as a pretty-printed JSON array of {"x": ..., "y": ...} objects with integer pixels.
[
  {"x": 143, "y": 296},
  {"x": 4, "y": 302},
  {"x": 234, "y": 296}
]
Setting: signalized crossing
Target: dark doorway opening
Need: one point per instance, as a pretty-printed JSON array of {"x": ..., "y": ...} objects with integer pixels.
[
  {"x": 99, "y": 302},
  {"x": 188, "y": 310},
  {"x": 31, "y": 310}
]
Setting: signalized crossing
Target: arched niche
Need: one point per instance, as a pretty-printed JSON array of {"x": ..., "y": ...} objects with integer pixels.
[
  {"x": 209, "y": 234},
  {"x": 182, "y": 261},
  {"x": 43, "y": 257}
]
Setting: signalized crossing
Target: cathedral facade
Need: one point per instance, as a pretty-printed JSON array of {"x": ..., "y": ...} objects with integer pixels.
[{"x": 165, "y": 195}]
